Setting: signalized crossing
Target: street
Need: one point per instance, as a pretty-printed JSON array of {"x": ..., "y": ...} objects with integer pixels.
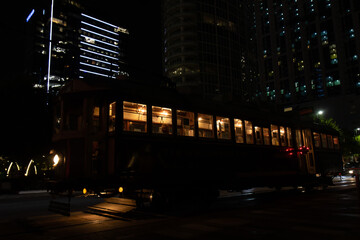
[{"x": 332, "y": 213}]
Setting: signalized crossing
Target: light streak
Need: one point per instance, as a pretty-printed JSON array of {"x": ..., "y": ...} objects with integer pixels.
[
  {"x": 50, "y": 42},
  {"x": 109, "y": 24},
  {"x": 30, "y": 15},
  {"x": 95, "y": 73},
  {"x": 102, "y": 29}
]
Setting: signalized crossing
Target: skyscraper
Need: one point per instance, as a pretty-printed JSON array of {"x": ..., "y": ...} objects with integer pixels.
[
  {"x": 208, "y": 49},
  {"x": 309, "y": 53},
  {"x": 309, "y": 48},
  {"x": 81, "y": 45}
]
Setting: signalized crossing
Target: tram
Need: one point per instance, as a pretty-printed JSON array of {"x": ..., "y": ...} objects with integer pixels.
[{"x": 153, "y": 141}]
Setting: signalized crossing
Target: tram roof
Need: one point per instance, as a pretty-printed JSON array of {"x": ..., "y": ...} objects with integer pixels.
[{"x": 169, "y": 97}]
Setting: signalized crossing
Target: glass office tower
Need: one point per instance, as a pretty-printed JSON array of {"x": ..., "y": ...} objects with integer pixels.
[
  {"x": 208, "y": 49},
  {"x": 82, "y": 46}
]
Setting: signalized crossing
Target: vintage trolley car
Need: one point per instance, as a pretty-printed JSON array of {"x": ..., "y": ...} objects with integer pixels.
[{"x": 145, "y": 139}]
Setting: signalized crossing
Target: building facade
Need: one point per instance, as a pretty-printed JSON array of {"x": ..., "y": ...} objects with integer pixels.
[
  {"x": 81, "y": 45},
  {"x": 309, "y": 54},
  {"x": 208, "y": 49},
  {"x": 308, "y": 49}
]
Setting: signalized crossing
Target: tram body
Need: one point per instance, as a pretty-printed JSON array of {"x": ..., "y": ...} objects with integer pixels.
[{"x": 120, "y": 134}]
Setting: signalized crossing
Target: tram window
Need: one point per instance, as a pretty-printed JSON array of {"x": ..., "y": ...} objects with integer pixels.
[
  {"x": 336, "y": 142},
  {"x": 112, "y": 116},
  {"x": 266, "y": 134},
  {"x": 249, "y": 132},
  {"x": 317, "y": 141},
  {"x": 274, "y": 135},
  {"x": 282, "y": 136},
  {"x": 239, "y": 130},
  {"x": 289, "y": 137},
  {"x": 323, "y": 140},
  {"x": 298, "y": 139},
  {"x": 330, "y": 141},
  {"x": 205, "y": 124},
  {"x": 307, "y": 138},
  {"x": 223, "y": 127},
  {"x": 185, "y": 123},
  {"x": 258, "y": 135},
  {"x": 161, "y": 120},
  {"x": 135, "y": 118},
  {"x": 96, "y": 118}
]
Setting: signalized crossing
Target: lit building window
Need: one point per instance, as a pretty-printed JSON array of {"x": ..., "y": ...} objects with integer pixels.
[{"x": 351, "y": 33}]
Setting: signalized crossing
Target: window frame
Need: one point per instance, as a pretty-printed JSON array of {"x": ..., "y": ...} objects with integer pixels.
[
  {"x": 143, "y": 111},
  {"x": 191, "y": 127},
  {"x": 203, "y": 130}
]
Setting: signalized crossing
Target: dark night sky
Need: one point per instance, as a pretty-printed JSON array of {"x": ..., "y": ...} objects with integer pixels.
[{"x": 142, "y": 18}]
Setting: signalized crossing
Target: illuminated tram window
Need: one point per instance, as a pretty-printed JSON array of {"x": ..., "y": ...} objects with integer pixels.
[
  {"x": 112, "y": 116},
  {"x": 185, "y": 123},
  {"x": 323, "y": 140},
  {"x": 330, "y": 141},
  {"x": 298, "y": 138},
  {"x": 317, "y": 142},
  {"x": 266, "y": 133},
  {"x": 274, "y": 135},
  {"x": 223, "y": 128},
  {"x": 205, "y": 124},
  {"x": 135, "y": 118},
  {"x": 96, "y": 117},
  {"x": 282, "y": 136},
  {"x": 161, "y": 120},
  {"x": 258, "y": 135},
  {"x": 239, "y": 131},
  {"x": 336, "y": 143},
  {"x": 289, "y": 137},
  {"x": 249, "y": 132}
]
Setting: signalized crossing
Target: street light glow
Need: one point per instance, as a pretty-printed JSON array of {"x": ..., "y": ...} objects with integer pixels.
[{"x": 320, "y": 112}]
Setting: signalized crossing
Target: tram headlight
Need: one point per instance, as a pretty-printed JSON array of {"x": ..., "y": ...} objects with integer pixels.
[{"x": 56, "y": 160}]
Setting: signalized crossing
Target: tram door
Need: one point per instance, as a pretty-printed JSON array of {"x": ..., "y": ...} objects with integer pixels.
[
  {"x": 310, "y": 159},
  {"x": 306, "y": 160}
]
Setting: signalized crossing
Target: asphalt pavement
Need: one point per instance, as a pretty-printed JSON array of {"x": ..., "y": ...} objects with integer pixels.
[{"x": 332, "y": 213}]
